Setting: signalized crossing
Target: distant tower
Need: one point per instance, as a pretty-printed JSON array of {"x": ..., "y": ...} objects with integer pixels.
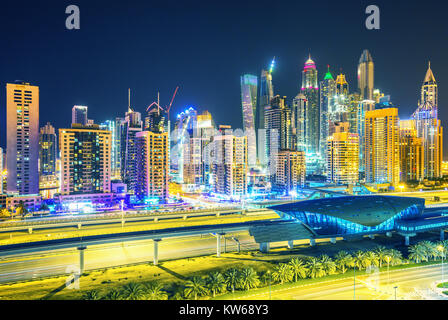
[
  {"x": 48, "y": 149},
  {"x": 79, "y": 115},
  {"x": 429, "y": 127},
  {"x": 249, "y": 84},
  {"x": 311, "y": 91},
  {"x": 366, "y": 76},
  {"x": 327, "y": 99}
]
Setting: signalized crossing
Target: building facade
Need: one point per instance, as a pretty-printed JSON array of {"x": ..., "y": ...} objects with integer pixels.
[
  {"x": 290, "y": 172},
  {"x": 79, "y": 115},
  {"x": 22, "y": 138},
  {"x": 411, "y": 153},
  {"x": 249, "y": 86}
]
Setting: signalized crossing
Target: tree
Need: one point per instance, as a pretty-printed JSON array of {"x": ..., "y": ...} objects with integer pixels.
[
  {"x": 299, "y": 269},
  {"x": 133, "y": 291},
  {"x": 216, "y": 283},
  {"x": 430, "y": 249},
  {"x": 417, "y": 253},
  {"x": 114, "y": 295},
  {"x": 344, "y": 260},
  {"x": 381, "y": 253},
  {"x": 231, "y": 278},
  {"x": 327, "y": 264},
  {"x": 360, "y": 260},
  {"x": 371, "y": 259},
  {"x": 43, "y": 207},
  {"x": 92, "y": 295},
  {"x": 248, "y": 279},
  {"x": 315, "y": 268},
  {"x": 5, "y": 213},
  {"x": 154, "y": 291},
  {"x": 21, "y": 209},
  {"x": 396, "y": 257},
  {"x": 195, "y": 287},
  {"x": 282, "y": 273}
]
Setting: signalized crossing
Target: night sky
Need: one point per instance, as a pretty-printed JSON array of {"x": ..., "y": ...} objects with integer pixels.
[{"x": 204, "y": 47}]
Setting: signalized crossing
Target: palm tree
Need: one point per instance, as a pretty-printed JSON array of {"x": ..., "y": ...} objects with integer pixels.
[
  {"x": 430, "y": 249},
  {"x": 371, "y": 259},
  {"x": 381, "y": 253},
  {"x": 417, "y": 253},
  {"x": 195, "y": 287},
  {"x": 216, "y": 283},
  {"x": 359, "y": 259},
  {"x": 231, "y": 278},
  {"x": 114, "y": 294},
  {"x": 315, "y": 268},
  {"x": 328, "y": 264},
  {"x": 92, "y": 295},
  {"x": 21, "y": 209},
  {"x": 298, "y": 268},
  {"x": 282, "y": 273},
  {"x": 265, "y": 277},
  {"x": 248, "y": 279},
  {"x": 154, "y": 291},
  {"x": 344, "y": 260},
  {"x": 133, "y": 291}
]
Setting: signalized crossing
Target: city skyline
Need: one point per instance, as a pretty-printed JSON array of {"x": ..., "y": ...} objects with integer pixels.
[{"x": 191, "y": 71}]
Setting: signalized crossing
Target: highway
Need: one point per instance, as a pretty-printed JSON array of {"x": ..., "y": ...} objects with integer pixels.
[
  {"x": 59, "y": 261},
  {"x": 412, "y": 284}
]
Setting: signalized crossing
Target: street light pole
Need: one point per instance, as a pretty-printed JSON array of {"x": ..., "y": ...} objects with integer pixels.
[
  {"x": 269, "y": 273},
  {"x": 395, "y": 292},
  {"x": 442, "y": 250},
  {"x": 354, "y": 283}
]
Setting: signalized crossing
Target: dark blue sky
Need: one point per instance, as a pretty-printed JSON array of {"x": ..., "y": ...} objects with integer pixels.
[{"x": 204, "y": 47}]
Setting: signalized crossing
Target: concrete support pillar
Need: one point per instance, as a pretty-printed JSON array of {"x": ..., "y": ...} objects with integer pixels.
[
  {"x": 156, "y": 219},
  {"x": 218, "y": 214},
  {"x": 185, "y": 217},
  {"x": 264, "y": 247},
  {"x": 238, "y": 247},
  {"x": 333, "y": 240},
  {"x": 156, "y": 251},
  {"x": 30, "y": 230},
  {"x": 389, "y": 234},
  {"x": 312, "y": 242},
  {"x": 218, "y": 245},
  {"x": 81, "y": 259},
  {"x": 290, "y": 244},
  {"x": 406, "y": 240},
  {"x": 79, "y": 226}
]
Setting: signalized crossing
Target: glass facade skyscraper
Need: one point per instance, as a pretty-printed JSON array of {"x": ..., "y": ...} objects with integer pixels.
[
  {"x": 311, "y": 91},
  {"x": 249, "y": 85}
]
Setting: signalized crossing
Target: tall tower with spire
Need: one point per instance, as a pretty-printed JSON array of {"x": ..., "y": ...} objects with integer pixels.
[
  {"x": 327, "y": 99},
  {"x": 366, "y": 70},
  {"x": 312, "y": 118},
  {"x": 429, "y": 127}
]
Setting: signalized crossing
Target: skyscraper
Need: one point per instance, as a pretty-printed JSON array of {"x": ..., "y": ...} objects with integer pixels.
[
  {"x": 48, "y": 151},
  {"x": 278, "y": 126},
  {"x": 85, "y": 160},
  {"x": 411, "y": 152},
  {"x": 343, "y": 156},
  {"x": 79, "y": 115},
  {"x": 429, "y": 127},
  {"x": 327, "y": 99},
  {"x": 266, "y": 94},
  {"x": 152, "y": 166},
  {"x": 311, "y": 91},
  {"x": 290, "y": 172},
  {"x": 366, "y": 76},
  {"x": 298, "y": 123},
  {"x": 249, "y": 84},
  {"x": 22, "y": 138},
  {"x": 382, "y": 152},
  {"x": 111, "y": 126}
]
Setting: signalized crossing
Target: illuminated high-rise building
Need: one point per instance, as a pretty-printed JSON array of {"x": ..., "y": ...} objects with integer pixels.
[
  {"x": 311, "y": 91},
  {"x": 366, "y": 78},
  {"x": 2, "y": 168},
  {"x": 339, "y": 109},
  {"x": 152, "y": 166},
  {"x": 230, "y": 166},
  {"x": 382, "y": 147},
  {"x": 352, "y": 112},
  {"x": 22, "y": 138},
  {"x": 48, "y": 150},
  {"x": 298, "y": 124},
  {"x": 79, "y": 115},
  {"x": 249, "y": 84},
  {"x": 266, "y": 93},
  {"x": 290, "y": 172},
  {"x": 129, "y": 127},
  {"x": 343, "y": 156},
  {"x": 111, "y": 126},
  {"x": 411, "y": 152},
  {"x": 429, "y": 127},
  {"x": 278, "y": 126},
  {"x": 85, "y": 160},
  {"x": 327, "y": 100}
]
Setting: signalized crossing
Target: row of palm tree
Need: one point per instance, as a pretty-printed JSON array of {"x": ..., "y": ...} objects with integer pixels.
[
  {"x": 131, "y": 291},
  {"x": 427, "y": 250}
]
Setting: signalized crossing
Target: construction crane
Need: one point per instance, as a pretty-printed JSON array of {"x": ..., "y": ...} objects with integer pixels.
[{"x": 167, "y": 108}]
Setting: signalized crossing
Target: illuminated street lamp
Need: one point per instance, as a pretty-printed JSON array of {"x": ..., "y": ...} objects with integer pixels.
[
  {"x": 388, "y": 275},
  {"x": 395, "y": 292},
  {"x": 269, "y": 276},
  {"x": 442, "y": 250}
]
